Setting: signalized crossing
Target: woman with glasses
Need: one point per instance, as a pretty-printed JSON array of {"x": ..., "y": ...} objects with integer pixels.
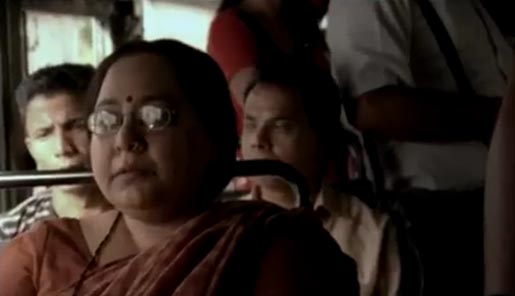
[{"x": 163, "y": 144}]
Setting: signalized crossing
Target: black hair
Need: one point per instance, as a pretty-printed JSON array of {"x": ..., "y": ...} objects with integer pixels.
[
  {"x": 320, "y": 99},
  {"x": 319, "y": 94},
  {"x": 205, "y": 89},
  {"x": 65, "y": 78}
]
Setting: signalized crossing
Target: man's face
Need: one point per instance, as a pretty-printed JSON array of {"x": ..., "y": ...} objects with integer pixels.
[
  {"x": 276, "y": 127},
  {"x": 56, "y": 133}
]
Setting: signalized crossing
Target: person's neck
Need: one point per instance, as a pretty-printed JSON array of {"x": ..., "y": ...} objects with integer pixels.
[
  {"x": 76, "y": 205},
  {"x": 147, "y": 233}
]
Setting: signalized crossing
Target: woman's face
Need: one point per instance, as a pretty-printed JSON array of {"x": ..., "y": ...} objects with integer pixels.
[{"x": 153, "y": 159}]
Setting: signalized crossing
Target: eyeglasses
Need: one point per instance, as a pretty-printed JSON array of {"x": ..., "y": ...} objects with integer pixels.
[{"x": 149, "y": 117}]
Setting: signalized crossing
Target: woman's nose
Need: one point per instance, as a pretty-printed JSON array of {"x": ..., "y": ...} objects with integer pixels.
[{"x": 130, "y": 139}]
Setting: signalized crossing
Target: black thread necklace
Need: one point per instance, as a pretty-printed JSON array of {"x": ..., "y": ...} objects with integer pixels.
[{"x": 93, "y": 259}]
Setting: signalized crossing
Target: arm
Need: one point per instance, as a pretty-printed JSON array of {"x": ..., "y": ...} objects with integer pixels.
[
  {"x": 426, "y": 115},
  {"x": 233, "y": 47},
  {"x": 306, "y": 261},
  {"x": 500, "y": 203}
]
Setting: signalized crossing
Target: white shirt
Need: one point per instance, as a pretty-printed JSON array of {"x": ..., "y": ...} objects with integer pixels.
[
  {"x": 375, "y": 43},
  {"x": 367, "y": 235}
]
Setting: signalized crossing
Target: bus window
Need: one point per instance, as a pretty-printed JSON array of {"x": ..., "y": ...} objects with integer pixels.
[
  {"x": 187, "y": 23},
  {"x": 54, "y": 38}
]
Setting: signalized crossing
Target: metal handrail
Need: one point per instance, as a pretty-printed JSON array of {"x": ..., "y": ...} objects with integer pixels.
[
  {"x": 294, "y": 178},
  {"x": 241, "y": 169},
  {"x": 43, "y": 178}
]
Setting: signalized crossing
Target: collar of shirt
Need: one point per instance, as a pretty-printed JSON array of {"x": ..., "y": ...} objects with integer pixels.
[{"x": 329, "y": 203}]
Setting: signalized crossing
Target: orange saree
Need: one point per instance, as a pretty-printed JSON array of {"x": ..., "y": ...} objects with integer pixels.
[{"x": 240, "y": 248}]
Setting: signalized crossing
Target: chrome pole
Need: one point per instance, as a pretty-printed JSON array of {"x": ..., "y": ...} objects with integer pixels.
[
  {"x": 43, "y": 178},
  {"x": 242, "y": 168}
]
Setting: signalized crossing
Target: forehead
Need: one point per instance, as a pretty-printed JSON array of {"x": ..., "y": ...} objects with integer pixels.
[
  {"x": 137, "y": 76},
  {"x": 60, "y": 104},
  {"x": 273, "y": 99}
]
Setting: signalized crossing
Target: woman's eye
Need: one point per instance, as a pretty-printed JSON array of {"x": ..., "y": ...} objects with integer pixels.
[
  {"x": 103, "y": 121},
  {"x": 155, "y": 117}
]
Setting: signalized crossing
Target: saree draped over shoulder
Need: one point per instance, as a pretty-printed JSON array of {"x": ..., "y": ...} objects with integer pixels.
[{"x": 241, "y": 248}]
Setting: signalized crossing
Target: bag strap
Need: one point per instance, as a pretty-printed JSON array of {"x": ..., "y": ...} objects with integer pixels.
[{"x": 446, "y": 46}]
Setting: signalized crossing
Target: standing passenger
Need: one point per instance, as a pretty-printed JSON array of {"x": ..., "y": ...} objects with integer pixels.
[{"x": 427, "y": 77}]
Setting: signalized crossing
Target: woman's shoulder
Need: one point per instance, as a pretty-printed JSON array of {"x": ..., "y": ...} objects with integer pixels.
[
  {"x": 26, "y": 252},
  {"x": 246, "y": 209},
  {"x": 37, "y": 236},
  {"x": 272, "y": 221},
  {"x": 293, "y": 244}
]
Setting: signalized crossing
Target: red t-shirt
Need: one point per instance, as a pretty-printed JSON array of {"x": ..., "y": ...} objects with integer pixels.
[{"x": 232, "y": 45}]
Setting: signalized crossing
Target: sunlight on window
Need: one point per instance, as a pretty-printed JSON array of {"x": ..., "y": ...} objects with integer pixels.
[
  {"x": 188, "y": 24},
  {"x": 54, "y": 38}
]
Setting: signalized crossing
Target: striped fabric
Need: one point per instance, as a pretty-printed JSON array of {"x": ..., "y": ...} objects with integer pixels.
[{"x": 34, "y": 209}]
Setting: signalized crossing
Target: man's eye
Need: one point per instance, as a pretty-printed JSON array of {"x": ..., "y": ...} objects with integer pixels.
[
  {"x": 249, "y": 125},
  {"x": 283, "y": 125},
  {"x": 42, "y": 133}
]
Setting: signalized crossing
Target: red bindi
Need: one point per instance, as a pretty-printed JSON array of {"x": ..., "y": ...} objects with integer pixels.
[{"x": 129, "y": 99}]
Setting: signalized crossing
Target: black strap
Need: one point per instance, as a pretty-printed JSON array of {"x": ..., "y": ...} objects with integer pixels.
[{"x": 446, "y": 46}]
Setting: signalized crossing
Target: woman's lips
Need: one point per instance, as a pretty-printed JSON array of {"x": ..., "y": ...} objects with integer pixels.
[{"x": 132, "y": 175}]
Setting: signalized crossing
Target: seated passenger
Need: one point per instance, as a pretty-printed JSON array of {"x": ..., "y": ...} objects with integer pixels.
[
  {"x": 163, "y": 146},
  {"x": 52, "y": 107},
  {"x": 292, "y": 114}
]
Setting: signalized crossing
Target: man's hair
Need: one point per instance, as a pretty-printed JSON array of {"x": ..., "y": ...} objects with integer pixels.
[
  {"x": 72, "y": 79},
  {"x": 318, "y": 93}
]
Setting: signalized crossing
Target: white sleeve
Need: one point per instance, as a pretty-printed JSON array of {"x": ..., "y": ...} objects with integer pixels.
[{"x": 370, "y": 42}]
